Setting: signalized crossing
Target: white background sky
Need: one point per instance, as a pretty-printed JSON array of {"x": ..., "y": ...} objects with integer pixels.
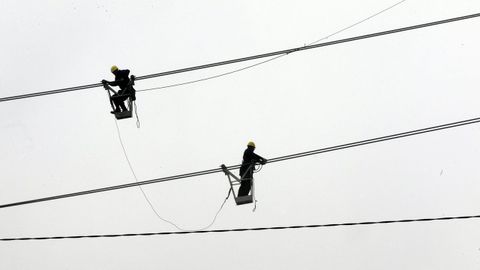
[{"x": 65, "y": 143}]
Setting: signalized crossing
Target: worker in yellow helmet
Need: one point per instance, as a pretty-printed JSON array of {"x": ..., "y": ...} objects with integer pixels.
[
  {"x": 246, "y": 170},
  {"x": 123, "y": 81}
]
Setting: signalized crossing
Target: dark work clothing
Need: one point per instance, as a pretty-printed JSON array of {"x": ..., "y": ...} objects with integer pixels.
[
  {"x": 126, "y": 89},
  {"x": 245, "y": 187},
  {"x": 249, "y": 157},
  {"x": 246, "y": 170},
  {"x": 121, "y": 80},
  {"x": 118, "y": 100}
]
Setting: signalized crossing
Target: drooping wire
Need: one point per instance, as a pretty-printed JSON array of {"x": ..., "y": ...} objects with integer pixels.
[
  {"x": 148, "y": 200},
  {"x": 218, "y": 212},
  {"x": 259, "y": 168},
  {"x": 302, "y": 48},
  {"x": 244, "y": 59},
  {"x": 273, "y": 58},
  {"x": 136, "y": 180},
  {"x": 275, "y": 228},
  {"x": 211, "y": 77},
  {"x": 272, "y": 160},
  {"x": 357, "y": 23}
]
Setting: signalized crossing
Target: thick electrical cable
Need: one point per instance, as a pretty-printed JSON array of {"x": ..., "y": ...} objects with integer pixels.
[
  {"x": 249, "y": 58},
  {"x": 275, "y": 228},
  {"x": 272, "y": 160},
  {"x": 376, "y": 140},
  {"x": 314, "y": 46},
  {"x": 271, "y": 59}
]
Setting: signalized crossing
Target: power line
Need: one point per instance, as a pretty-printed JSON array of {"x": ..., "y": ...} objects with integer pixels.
[
  {"x": 376, "y": 140},
  {"x": 249, "y": 58},
  {"x": 217, "y": 76},
  {"x": 148, "y": 200},
  {"x": 273, "y": 58},
  {"x": 273, "y": 160},
  {"x": 325, "y": 44},
  {"x": 311, "y": 226},
  {"x": 359, "y": 22},
  {"x": 136, "y": 180}
]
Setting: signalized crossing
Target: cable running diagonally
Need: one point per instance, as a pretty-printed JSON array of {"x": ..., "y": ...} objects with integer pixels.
[
  {"x": 311, "y": 226},
  {"x": 212, "y": 77},
  {"x": 265, "y": 55},
  {"x": 136, "y": 180},
  {"x": 273, "y": 58},
  {"x": 148, "y": 200},
  {"x": 314, "y": 46},
  {"x": 272, "y": 160}
]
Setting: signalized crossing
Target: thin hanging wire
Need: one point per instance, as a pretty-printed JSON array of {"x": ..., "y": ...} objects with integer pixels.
[
  {"x": 148, "y": 200},
  {"x": 249, "y": 58},
  {"x": 275, "y": 57},
  {"x": 136, "y": 180}
]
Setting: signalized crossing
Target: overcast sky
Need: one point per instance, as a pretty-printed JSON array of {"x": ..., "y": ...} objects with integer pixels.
[{"x": 307, "y": 100}]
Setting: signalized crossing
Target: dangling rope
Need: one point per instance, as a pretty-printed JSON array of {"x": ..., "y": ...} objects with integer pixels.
[
  {"x": 256, "y": 169},
  {"x": 218, "y": 212},
  {"x": 136, "y": 113},
  {"x": 254, "y": 197},
  {"x": 136, "y": 180},
  {"x": 150, "y": 203}
]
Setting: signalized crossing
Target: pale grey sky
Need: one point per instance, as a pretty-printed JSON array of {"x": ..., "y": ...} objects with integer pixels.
[{"x": 65, "y": 143}]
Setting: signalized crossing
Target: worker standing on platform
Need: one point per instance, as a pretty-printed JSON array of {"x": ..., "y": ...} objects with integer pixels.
[{"x": 246, "y": 170}]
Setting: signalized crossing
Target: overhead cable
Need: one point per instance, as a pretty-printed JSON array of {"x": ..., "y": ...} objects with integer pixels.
[
  {"x": 136, "y": 180},
  {"x": 272, "y": 160},
  {"x": 313, "y": 46},
  {"x": 311, "y": 226},
  {"x": 221, "y": 75},
  {"x": 148, "y": 200},
  {"x": 273, "y": 58},
  {"x": 249, "y": 58}
]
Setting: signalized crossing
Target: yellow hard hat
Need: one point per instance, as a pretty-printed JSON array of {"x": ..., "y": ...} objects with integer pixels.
[
  {"x": 113, "y": 68},
  {"x": 250, "y": 143}
]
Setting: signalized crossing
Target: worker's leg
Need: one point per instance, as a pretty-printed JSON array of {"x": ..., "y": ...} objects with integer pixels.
[
  {"x": 114, "y": 99},
  {"x": 245, "y": 187},
  {"x": 122, "y": 106},
  {"x": 119, "y": 103}
]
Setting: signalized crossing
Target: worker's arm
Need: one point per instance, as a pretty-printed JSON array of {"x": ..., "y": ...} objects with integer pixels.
[
  {"x": 105, "y": 85},
  {"x": 260, "y": 159},
  {"x": 115, "y": 83},
  {"x": 121, "y": 77}
]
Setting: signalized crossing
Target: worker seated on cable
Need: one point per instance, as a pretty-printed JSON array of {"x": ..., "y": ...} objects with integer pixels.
[
  {"x": 126, "y": 88},
  {"x": 247, "y": 168}
]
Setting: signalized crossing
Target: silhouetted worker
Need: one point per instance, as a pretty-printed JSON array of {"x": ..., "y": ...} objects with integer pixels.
[
  {"x": 246, "y": 170},
  {"x": 126, "y": 89}
]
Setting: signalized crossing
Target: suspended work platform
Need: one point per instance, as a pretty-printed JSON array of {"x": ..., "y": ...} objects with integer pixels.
[
  {"x": 234, "y": 182},
  {"x": 129, "y": 98},
  {"x": 125, "y": 114}
]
